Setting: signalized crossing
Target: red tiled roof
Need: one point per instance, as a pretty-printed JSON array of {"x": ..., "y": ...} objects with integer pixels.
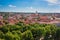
[{"x": 43, "y": 17}]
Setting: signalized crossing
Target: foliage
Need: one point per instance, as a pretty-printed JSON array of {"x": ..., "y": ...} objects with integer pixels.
[
  {"x": 10, "y": 36},
  {"x": 36, "y": 31},
  {"x": 2, "y": 36},
  {"x": 27, "y": 35},
  {"x": 57, "y": 37},
  {"x": 50, "y": 32}
]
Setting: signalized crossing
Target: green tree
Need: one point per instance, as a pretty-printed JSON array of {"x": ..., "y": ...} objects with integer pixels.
[
  {"x": 57, "y": 37},
  {"x": 37, "y": 33},
  {"x": 27, "y": 35},
  {"x": 4, "y": 29},
  {"x": 2, "y": 35},
  {"x": 12, "y": 36},
  {"x": 50, "y": 32}
]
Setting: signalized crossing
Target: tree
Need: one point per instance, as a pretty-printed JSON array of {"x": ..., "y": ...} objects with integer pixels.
[
  {"x": 10, "y": 36},
  {"x": 2, "y": 35},
  {"x": 37, "y": 33},
  {"x": 27, "y": 35},
  {"x": 13, "y": 27},
  {"x": 4, "y": 29},
  {"x": 57, "y": 37},
  {"x": 50, "y": 32}
]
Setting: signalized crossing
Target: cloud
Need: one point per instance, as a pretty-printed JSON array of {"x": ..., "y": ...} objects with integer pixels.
[
  {"x": 54, "y": 11},
  {"x": 51, "y": 11},
  {"x": 11, "y": 6},
  {"x": 29, "y": 8},
  {"x": 53, "y": 2},
  {"x": 33, "y": 9}
]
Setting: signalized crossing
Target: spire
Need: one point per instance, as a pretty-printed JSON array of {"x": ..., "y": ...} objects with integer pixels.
[{"x": 36, "y": 12}]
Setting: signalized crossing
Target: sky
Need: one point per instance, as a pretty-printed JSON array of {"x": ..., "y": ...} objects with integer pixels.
[{"x": 48, "y": 6}]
